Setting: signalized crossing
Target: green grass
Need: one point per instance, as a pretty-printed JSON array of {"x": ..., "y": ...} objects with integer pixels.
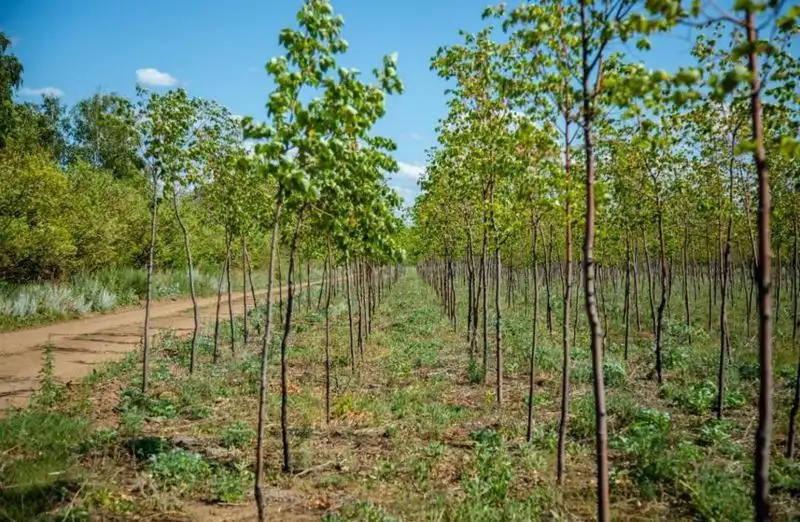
[
  {"x": 415, "y": 433},
  {"x": 33, "y": 304}
]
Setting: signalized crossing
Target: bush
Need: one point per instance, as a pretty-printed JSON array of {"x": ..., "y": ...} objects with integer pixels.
[
  {"x": 237, "y": 435},
  {"x": 178, "y": 470},
  {"x": 614, "y": 373}
]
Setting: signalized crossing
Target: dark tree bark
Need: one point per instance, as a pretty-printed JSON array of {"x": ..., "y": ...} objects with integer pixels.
[
  {"x": 328, "y": 341},
  {"x": 230, "y": 293},
  {"x": 532, "y": 367},
  {"x": 687, "y": 316},
  {"x": 350, "y": 312},
  {"x": 215, "y": 355},
  {"x": 723, "y": 312},
  {"x": 245, "y": 332},
  {"x": 287, "y": 330},
  {"x": 562, "y": 426},
  {"x": 627, "y": 305},
  {"x": 662, "y": 303}
]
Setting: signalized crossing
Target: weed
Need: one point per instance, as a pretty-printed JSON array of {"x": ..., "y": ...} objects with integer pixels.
[
  {"x": 474, "y": 371},
  {"x": 614, "y": 373},
  {"x": 676, "y": 358},
  {"x": 178, "y": 470},
  {"x": 145, "y": 448},
  {"x": 237, "y": 435},
  {"x": 49, "y": 393},
  {"x": 362, "y": 511},
  {"x": 229, "y": 485}
]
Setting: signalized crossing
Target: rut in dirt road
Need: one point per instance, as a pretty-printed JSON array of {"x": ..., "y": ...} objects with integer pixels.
[{"x": 80, "y": 344}]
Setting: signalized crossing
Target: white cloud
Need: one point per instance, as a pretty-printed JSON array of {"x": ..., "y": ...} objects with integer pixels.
[
  {"x": 150, "y": 76},
  {"x": 408, "y": 195},
  {"x": 253, "y": 68},
  {"x": 14, "y": 40},
  {"x": 415, "y": 136},
  {"x": 44, "y": 91},
  {"x": 410, "y": 170}
]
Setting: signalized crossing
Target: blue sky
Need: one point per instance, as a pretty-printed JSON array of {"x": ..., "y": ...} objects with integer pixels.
[{"x": 218, "y": 49}]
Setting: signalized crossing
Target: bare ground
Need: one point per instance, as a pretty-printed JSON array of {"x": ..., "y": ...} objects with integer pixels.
[{"x": 80, "y": 344}]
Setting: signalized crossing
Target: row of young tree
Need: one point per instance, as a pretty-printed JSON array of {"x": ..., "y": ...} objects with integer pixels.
[
  {"x": 309, "y": 182},
  {"x": 679, "y": 174}
]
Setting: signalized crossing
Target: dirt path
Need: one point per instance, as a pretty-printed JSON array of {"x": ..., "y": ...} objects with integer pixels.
[{"x": 81, "y": 343}]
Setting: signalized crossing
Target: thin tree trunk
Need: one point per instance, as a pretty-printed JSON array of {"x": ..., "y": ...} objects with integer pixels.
[
  {"x": 532, "y": 368},
  {"x": 562, "y": 427},
  {"x": 723, "y": 312},
  {"x": 245, "y": 333},
  {"x": 547, "y": 268},
  {"x": 764, "y": 431},
  {"x": 686, "y": 281},
  {"x": 485, "y": 311},
  {"x": 250, "y": 273},
  {"x": 636, "y": 285},
  {"x": 219, "y": 306},
  {"x": 287, "y": 330},
  {"x": 497, "y": 319},
  {"x": 263, "y": 386},
  {"x": 192, "y": 294},
  {"x": 308, "y": 284},
  {"x": 627, "y": 305},
  {"x": 650, "y": 283},
  {"x": 149, "y": 297},
  {"x": 328, "y": 341},
  {"x": 230, "y": 294},
  {"x": 350, "y": 312},
  {"x": 596, "y": 333},
  {"x": 662, "y": 303}
]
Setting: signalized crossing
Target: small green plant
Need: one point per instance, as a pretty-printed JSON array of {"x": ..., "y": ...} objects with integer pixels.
[
  {"x": 362, "y": 511},
  {"x": 697, "y": 399},
  {"x": 98, "y": 440},
  {"x": 49, "y": 392},
  {"x": 132, "y": 400},
  {"x": 229, "y": 485},
  {"x": 386, "y": 470},
  {"x": 676, "y": 357},
  {"x": 144, "y": 448},
  {"x": 493, "y": 471},
  {"x": 474, "y": 372},
  {"x": 237, "y": 435},
  {"x": 582, "y": 423},
  {"x": 178, "y": 470},
  {"x": 714, "y": 433},
  {"x": 614, "y": 373}
]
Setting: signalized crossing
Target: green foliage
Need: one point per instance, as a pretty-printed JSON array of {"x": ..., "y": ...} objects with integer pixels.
[
  {"x": 237, "y": 435},
  {"x": 474, "y": 371},
  {"x": 365, "y": 511},
  {"x": 178, "y": 470},
  {"x": 614, "y": 373},
  {"x": 229, "y": 485}
]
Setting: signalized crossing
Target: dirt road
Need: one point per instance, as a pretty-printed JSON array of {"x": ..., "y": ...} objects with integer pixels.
[{"x": 82, "y": 343}]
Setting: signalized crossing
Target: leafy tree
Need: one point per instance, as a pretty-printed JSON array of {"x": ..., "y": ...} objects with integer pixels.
[
  {"x": 103, "y": 133},
  {"x": 10, "y": 80}
]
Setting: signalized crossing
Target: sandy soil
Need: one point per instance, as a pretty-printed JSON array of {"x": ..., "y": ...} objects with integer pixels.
[{"x": 81, "y": 343}]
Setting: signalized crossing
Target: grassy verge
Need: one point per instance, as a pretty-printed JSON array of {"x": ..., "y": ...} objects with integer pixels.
[{"x": 23, "y": 306}]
